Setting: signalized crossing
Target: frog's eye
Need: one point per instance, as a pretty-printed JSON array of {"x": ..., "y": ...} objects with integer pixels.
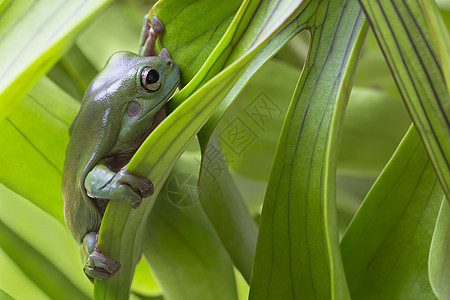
[{"x": 150, "y": 79}]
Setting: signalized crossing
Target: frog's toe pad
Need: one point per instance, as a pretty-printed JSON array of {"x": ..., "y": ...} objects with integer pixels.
[
  {"x": 100, "y": 266},
  {"x": 157, "y": 26},
  {"x": 148, "y": 191}
]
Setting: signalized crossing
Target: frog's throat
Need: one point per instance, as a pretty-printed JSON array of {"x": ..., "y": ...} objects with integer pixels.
[{"x": 162, "y": 100}]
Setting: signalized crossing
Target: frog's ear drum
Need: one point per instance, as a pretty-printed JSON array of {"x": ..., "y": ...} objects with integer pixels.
[{"x": 150, "y": 79}]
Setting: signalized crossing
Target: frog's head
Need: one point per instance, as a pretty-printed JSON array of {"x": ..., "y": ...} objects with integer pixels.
[
  {"x": 140, "y": 85},
  {"x": 132, "y": 89}
]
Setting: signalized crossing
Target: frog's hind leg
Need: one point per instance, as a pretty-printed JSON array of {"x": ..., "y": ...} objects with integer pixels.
[
  {"x": 144, "y": 35},
  {"x": 149, "y": 36},
  {"x": 97, "y": 265}
]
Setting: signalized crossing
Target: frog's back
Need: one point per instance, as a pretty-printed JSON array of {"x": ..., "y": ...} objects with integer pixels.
[
  {"x": 91, "y": 139},
  {"x": 80, "y": 212}
]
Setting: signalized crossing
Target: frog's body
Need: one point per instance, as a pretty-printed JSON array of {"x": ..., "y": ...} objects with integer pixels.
[{"x": 121, "y": 106}]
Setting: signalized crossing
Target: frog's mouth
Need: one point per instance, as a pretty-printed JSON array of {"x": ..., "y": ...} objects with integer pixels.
[{"x": 163, "y": 100}]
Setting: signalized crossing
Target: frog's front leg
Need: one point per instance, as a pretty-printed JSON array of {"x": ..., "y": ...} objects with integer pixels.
[
  {"x": 98, "y": 266},
  {"x": 102, "y": 183}
]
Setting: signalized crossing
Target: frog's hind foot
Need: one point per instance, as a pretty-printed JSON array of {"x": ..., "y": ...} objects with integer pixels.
[
  {"x": 157, "y": 27},
  {"x": 149, "y": 36},
  {"x": 97, "y": 265},
  {"x": 100, "y": 267}
]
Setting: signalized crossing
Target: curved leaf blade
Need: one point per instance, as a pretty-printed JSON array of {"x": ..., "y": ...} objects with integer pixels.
[
  {"x": 385, "y": 249},
  {"x": 412, "y": 47},
  {"x": 297, "y": 250},
  {"x": 33, "y": 36}
]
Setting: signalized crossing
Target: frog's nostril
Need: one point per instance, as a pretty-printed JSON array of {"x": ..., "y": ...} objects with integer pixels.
[{"x": 169, "y": 63}]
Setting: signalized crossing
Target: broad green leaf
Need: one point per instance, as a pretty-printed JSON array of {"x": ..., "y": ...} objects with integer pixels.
[
  {"x": 385, "y": 249},
  {"x": 36, "y": 135},
  {"x": 226, "y": 210},
  {"x": 47, "y": 253},
  {"x": 439, "y": 261},
  {"x": 192, "y": 30},
  {"x": 181, "y": 245},
  {"x": 122, "y": 228},
  {"x": 33, "y": 36},
  {"x": 417, "y": 54},
  {"x": 297, "y": 253}
]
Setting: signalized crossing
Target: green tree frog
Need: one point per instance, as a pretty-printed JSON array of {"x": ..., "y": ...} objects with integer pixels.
[{"x": 120, "y": 108}]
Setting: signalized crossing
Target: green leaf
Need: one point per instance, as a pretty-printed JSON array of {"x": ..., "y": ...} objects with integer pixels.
[
  {"x": 226, "y": 210},
  {"x": 297, "y": 253},
  {"x": 45, "y": 253},
  {"x": 54, "y": 283},
  {"x": 440, "y": 254},
  {"x": 385, "y": 249},
  {"x": 418, "y": 55},
  {"x": 181, "y": 245},
  {"x": 192, "y": 30},
  {"x": 34, "y": 35},
  {"x": 36, "y": 135}
]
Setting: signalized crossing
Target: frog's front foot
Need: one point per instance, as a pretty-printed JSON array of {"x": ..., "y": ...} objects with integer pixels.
[
  {"x": 97, "y": 265},
  {"x": 104, "y": 184},
  {"x": 130, "y": 187}
]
